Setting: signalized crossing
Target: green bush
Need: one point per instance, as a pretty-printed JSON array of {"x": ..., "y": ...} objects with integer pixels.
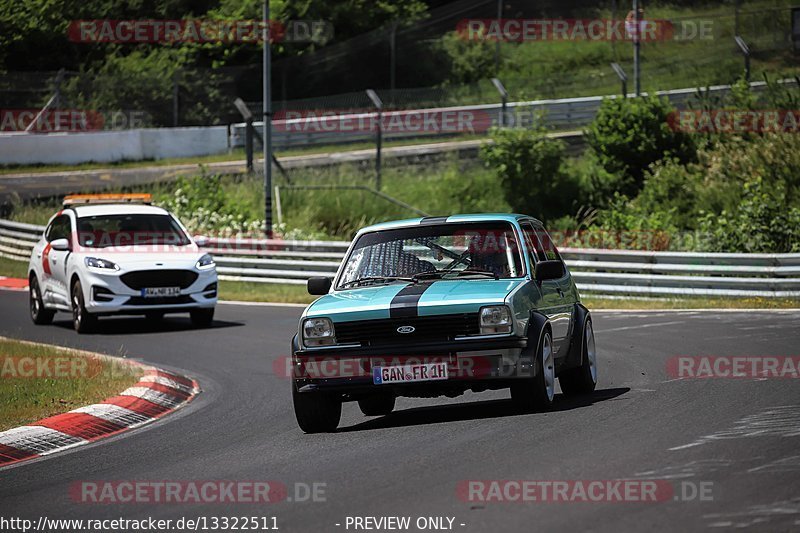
[
  {"x": 763, "y": 222},
  {"x": 630, "y": 134},
  {"x": 742, "y": 195},
  {"x": 530, "y": 167}
]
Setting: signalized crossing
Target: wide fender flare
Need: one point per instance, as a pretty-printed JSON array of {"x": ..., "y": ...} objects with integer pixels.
[
  {"x": 575, "y": 355},
  {"x": 537, "y": 325}
]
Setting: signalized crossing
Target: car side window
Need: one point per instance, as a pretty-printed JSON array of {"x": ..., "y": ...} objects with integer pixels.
[
  {"x": 531, "y": 242},
  {"x": 549, "y": 251},
  {"x": 58, "y": 229}
]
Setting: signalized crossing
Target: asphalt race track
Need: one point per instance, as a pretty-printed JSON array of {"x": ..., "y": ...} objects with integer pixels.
[{"x": 740, "y": 437}]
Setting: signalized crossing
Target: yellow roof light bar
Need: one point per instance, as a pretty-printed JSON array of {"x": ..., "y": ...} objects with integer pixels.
[{"x": 84, "y": 199}]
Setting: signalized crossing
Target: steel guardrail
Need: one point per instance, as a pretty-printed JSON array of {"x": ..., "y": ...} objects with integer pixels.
[
  {"x": 557, "y": 114},
  {"x": 597, "y": 271}
]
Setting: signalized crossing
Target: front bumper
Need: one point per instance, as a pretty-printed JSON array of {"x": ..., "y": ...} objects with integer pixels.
[
  {"x": 202, "y": 293},
  {"x": 472, "y": 364}
]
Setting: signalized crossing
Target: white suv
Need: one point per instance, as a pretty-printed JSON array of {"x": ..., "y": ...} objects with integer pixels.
[{"x": 116, "y": 254}]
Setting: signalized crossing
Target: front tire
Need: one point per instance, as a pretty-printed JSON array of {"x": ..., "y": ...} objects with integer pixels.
[
  {"x": 82, "y": 320},
  {"x": 39, "y": 314},
  {"x": 538, "y": 392},
  {"x": 202, "y": 318},
  {"x": 316, "y": 412},
  {"x": 377, "y": 404},
  {"x": 583, "y": 379}
]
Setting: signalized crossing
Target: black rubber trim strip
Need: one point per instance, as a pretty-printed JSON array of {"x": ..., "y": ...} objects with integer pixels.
[{"x": 404, "y": 304}]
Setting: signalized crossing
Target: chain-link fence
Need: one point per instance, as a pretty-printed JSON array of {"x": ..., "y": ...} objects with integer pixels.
[{"x": 396, "y": 59}]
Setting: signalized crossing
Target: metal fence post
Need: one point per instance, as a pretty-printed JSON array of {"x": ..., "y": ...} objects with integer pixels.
[
  {"x": 746, "y": 53},
  {"x": 623, "y": 77},
  {"x": 378, "y": 103},
  {"x": 175, "y": 99},
  {"x": 501, "y": 122},
  {"x": 248, "y": 144}
]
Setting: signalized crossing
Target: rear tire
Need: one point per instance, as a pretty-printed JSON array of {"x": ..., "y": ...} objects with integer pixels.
[
  {"x": 202, "y": 318},
  {"x": 537, "y": 393},
  {"x": 39, "y": 314},
  {"x": 377, "y": 404},
  {"x": 82, "y": 320},
  {"x": 583, "y": 379},
  {"x": 316, "y": 412}
]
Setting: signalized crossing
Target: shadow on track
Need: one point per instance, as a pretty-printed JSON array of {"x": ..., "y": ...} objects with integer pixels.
[
  {"x": 477, "y": 410},
  {"x": 131, "y": 325}
]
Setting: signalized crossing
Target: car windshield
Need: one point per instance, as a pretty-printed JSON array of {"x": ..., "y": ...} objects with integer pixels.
[
  {"x": 102, "y": 231},
  {"x": 444, "y": 251}
]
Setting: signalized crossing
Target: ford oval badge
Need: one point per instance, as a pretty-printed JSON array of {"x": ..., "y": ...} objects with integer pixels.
[{"x": 406, "y": 329}]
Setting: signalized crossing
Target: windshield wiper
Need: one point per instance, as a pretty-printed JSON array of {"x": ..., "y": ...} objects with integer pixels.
[
  {"x": 377, "y": 278},
  {"x": 487, "y": 273},
  {"x": 430, "y": 274}
]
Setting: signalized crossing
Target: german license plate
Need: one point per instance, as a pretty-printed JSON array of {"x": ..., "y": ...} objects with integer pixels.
[
  {"x": 160, "y": 292},
  {"x": 382, "y": 375}
]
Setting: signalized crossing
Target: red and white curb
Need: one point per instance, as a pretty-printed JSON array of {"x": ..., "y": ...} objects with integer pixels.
[
  {"x": 13, "y": 284},
  {"x": 156, "y": 394}
]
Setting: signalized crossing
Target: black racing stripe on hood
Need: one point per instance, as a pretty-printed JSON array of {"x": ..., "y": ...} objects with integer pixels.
[{"x": 405, "y": 302}]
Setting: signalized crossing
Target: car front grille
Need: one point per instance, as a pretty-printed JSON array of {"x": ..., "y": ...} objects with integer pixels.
[
  {"x": 384, "y": 332},
  {"x": 141, "y": 279}
]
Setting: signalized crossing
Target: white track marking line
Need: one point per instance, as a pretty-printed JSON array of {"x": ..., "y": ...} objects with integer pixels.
[
  {"x": 262, "y": 304},
  {"x": 655, "y": 324}
]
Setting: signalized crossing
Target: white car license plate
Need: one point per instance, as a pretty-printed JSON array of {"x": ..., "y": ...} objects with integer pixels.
[
  {"x": 160, "y": 292},
  {"x": 382, "y": 375}
]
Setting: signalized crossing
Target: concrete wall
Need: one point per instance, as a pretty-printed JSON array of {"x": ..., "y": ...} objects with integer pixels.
[{"x": 110, "y": 146}]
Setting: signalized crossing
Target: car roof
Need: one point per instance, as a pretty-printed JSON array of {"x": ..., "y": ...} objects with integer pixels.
[
  {"x": 474, "y": 217},
  {"x": 117, "y": 209}
]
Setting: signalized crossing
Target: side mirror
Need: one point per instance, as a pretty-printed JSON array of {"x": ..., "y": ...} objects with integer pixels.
[
  {"x": 546, "y": 270},
  {"x": 319, "y": 286},
  {"x": 60, "y": 245},
  {"x": 201, "y": 241}
]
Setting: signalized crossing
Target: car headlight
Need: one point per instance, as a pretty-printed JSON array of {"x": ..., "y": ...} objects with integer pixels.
[
  {"x": 318, "y": 332},
  {"x": 206, "y": 262},
  {"x": 495, "y": 319},
  {"x": 103, "y": 264}
]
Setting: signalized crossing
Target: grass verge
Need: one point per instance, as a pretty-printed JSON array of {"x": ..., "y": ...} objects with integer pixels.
[
  {"x": 61, "y": 380},
  {"x": 12, "y": 268}
]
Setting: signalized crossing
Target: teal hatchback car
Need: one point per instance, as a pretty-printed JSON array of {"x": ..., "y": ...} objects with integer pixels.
[{"x": 439, "y": 306}]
